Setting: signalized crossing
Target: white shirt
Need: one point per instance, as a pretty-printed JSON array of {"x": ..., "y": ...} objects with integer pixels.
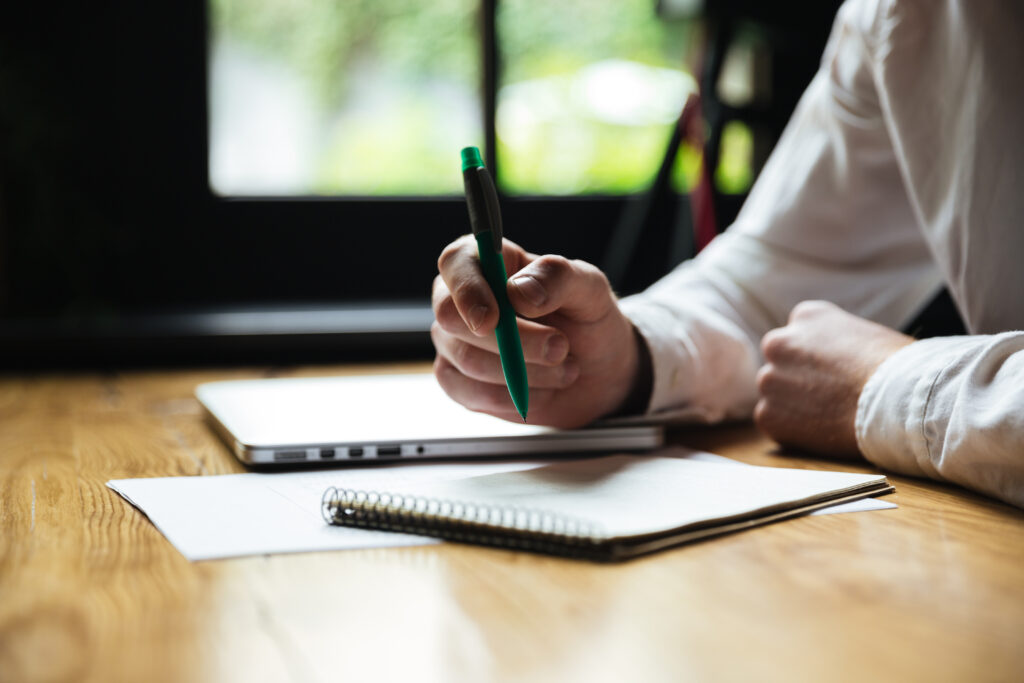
[{"x": 902, "y": 170}]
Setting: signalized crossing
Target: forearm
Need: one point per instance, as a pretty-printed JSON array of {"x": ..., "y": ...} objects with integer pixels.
[{"x": 950, "y": 408}]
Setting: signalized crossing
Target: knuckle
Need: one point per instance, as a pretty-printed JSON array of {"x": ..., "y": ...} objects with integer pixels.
[
  {"x": 438, "y": 336},
  {"x": 553, "y": 265},
  {"x": 465, "y": 290},
  {"x": 448, "y": 378},
  {"x": 447, "y": 254},
  {"x": 450, "y": 253},
  {"x": 766, "y": 419},
  {"x": 762, "y": 416},
  {"x": 773, "y": 343},
  {"x": 592, "y": 273},
  {"x": 466, "y": 358},
  {"x": 765, "y": 378},
  {"x": 446, "y": 315},
  {"x": 442, "y": 372},
  {"x": 808, "y": 309},
  {"x": 438, "y": 289}
]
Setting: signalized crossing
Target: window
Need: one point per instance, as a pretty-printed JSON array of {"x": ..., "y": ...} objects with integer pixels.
[
  {"x": 272, "y": 155},
  {"x": 318, "y": 97},
  {"x": 588, "y": 92},
  {"x": 375, "y": 98}
]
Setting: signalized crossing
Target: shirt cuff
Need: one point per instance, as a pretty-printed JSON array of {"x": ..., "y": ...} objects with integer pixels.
[
  {"x": 671, "y": 362},
  {"x": 891, "y": 424}
]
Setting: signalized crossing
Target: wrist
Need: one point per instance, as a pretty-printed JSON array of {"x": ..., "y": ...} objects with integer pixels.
[{"x": 638, "y": 398}]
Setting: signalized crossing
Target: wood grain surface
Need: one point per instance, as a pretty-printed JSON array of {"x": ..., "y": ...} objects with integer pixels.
[{"x": 90, "y": 590}]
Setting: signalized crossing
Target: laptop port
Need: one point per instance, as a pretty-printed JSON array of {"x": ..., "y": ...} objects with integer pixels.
[
  {"x": 289, "y": 455},
  {"x": 388, "y": 451},
  {"x": 326, "y": 452},
  {"x": 356, "y": 452}
]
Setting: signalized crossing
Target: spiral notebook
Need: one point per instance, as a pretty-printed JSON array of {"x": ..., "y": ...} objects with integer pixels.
[{"x": 608, "y": 508}]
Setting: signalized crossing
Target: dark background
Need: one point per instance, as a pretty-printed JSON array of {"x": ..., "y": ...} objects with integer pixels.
[{"x": 113, "y": 251}]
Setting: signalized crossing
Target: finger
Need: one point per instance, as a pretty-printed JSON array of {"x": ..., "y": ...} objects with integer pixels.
[
  {"x": 775, "y": 422},
  {"x": 775, "y": 344},
  {"x": 554, "y": 283},
  {"x": 485, "y": 365},
  {"x": 542, "y": 344},
  {"x": 445, "y": 311},
  {"x": 546, "y": 405},
  {"x": 764, "y": 379},
  {"x": 767, "y": 420},
  {"x": 481, "y": 397},
  {"x": 761, "y": 417},
  {"x": 459, "y": 268}
]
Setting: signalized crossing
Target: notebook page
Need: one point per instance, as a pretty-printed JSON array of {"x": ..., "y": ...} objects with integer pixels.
[{"x": 628, "y": 495}]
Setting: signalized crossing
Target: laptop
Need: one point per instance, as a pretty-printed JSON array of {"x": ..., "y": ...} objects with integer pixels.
[{"x": 374, "y": 418}]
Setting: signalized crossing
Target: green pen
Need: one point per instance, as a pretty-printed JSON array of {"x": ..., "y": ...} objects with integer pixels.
[{"x": 485, "y": 219}]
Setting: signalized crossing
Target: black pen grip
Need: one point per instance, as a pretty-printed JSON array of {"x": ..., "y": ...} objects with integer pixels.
[{"x": 482, "y": 201}]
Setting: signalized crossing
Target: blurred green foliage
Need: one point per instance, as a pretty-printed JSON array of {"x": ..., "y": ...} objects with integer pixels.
[
  {"x": 544, "y": 38},
  {"x": 320, "y": 39},
  {"x": 407, "y": 148},
  {"x": 397, "y": 153},
  {"x": 548, "y": 39}
]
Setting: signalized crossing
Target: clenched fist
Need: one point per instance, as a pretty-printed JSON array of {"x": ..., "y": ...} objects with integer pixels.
[{"x": 815, "y": 368}]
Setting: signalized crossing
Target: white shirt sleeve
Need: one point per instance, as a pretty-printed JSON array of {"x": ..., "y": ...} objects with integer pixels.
[
  {"x": 827, "y": 219},
  {"x": 948, "y": 77},
  {"x": 950, "y": 408},
  {"x": 882, "y": 188}
]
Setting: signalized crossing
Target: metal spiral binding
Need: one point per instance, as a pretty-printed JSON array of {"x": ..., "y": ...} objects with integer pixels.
[{"x": 506, "y": 526}]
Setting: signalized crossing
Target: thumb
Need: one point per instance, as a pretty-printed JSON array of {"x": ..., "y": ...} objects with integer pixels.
[{"x": 575, "y": 289}]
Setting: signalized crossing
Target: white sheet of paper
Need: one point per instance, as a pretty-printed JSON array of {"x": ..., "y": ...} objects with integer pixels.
[{"x": 236, "y": 515}]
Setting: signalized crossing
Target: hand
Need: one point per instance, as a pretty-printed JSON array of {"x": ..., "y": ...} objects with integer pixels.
[
  {"x": 581, "y": 352},
  {"x": 815, "y": 368}
]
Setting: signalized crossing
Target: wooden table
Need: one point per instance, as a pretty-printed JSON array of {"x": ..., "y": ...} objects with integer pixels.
[{"x": 90, "y": 590}]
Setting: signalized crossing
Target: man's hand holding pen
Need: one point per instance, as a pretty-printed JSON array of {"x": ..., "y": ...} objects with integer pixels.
[{"x": 581, "y": 352}]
